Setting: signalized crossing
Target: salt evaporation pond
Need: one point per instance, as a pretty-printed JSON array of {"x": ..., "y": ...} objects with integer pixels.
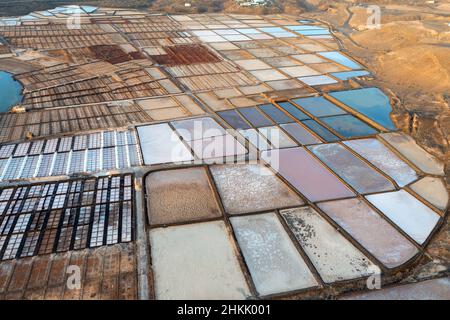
[{"x": 10, "y": 91}]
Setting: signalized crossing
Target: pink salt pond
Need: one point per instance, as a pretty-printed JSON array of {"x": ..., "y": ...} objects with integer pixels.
[
  {"x": 306, "y": 174},
  {"x": 373, "y": 232}
]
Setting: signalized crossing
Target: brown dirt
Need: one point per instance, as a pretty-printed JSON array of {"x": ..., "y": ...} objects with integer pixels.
[
  {"x": 186, "y": 54},
  {"x": 422, "y": 66},
  {"x": 113, "y": 54},
  {"x": 396, "y": 35}
]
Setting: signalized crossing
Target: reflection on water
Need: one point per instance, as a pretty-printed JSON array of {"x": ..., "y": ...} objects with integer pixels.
[
  {"x": 371, "y": 102},
  {"x": 10, "y": 91}
]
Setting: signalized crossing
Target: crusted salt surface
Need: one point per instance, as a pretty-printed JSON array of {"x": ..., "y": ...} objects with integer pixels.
[
  {"x": 411, "y": 215},
  {"x": 414, "y": 153},
  {"x": 180, "y": 195},
  {"x": 251, "y": 187},
  {"x": 274, "y": 262},
  {"x": 384, "y": 159},
  {"x": 196, "y": 261},
  {"x": 334, "y": 257},
  {"x": 159, "y": 144}
]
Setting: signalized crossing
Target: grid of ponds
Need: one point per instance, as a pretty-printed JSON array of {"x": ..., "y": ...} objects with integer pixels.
[
  {"x": 187, "y": 140},
  {"x": 65, "y": 215},
  {"x": 107, "y": 150},
  {"x": 301, "y": 121},
  {"x": 286, "y": 244},
  {"x": 339, "y": 201}
]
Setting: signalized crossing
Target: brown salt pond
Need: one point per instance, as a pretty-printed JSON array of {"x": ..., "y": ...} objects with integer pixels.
[
  {"x": 432, "y": 190},
  {"x": 190, "y": 188}
]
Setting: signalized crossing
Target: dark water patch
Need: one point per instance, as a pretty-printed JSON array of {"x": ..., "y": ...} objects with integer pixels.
[{"x": 10, "y": 91}]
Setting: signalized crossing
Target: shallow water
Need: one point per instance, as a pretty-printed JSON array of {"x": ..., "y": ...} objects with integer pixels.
[
  {"x": 367, "y": 227},
  {"x": 305, "y": 173},
  {"x": 294, "y": 111},
  {"x": 10, "y": 91},
  {"x": 371, "y": 102},
  {"x": 319, "y": 106},
  {"x": 408, "y": 213},
  {"x": 255, "y": 117},
  {"x": 345, "y": 75},
  {"x": 341, "y": 59},
  {"x": 320, "y": 130},
  {"x": 276, "y": 114},
  {"x": 312, "y": 32},
  {"x": 348, "y": 126},
  {"x": 234, "y": 119}
]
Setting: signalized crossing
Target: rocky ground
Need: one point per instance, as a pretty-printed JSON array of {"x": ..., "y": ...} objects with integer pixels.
[{"x": 410, "y": 56}]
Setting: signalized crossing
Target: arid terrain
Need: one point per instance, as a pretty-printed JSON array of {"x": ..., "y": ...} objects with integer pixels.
[{"x": 409, "y": 55}]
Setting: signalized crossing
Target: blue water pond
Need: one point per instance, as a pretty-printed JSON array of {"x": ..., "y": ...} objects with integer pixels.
[
  {"x": 10, "y": 91},
  {"x": 341, "y": 59},
  {"x": 371, "y": 102}
]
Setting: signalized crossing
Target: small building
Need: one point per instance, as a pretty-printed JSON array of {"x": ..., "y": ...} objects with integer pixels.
[{"x": 253, "y": 3}]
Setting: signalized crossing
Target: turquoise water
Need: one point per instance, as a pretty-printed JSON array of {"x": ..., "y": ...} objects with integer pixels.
[
  {"x": 296, "y": 28},
  {"x": 313, "y": 32},
  {"x": 89, "y": 9},
  {"x": 341, "y": 59},
  {"x": 345, "y": 75},
  {"x": 10, "y": 91},
  {"x": 319, "y": 106},
  {"x": 371, "y": 102}
]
